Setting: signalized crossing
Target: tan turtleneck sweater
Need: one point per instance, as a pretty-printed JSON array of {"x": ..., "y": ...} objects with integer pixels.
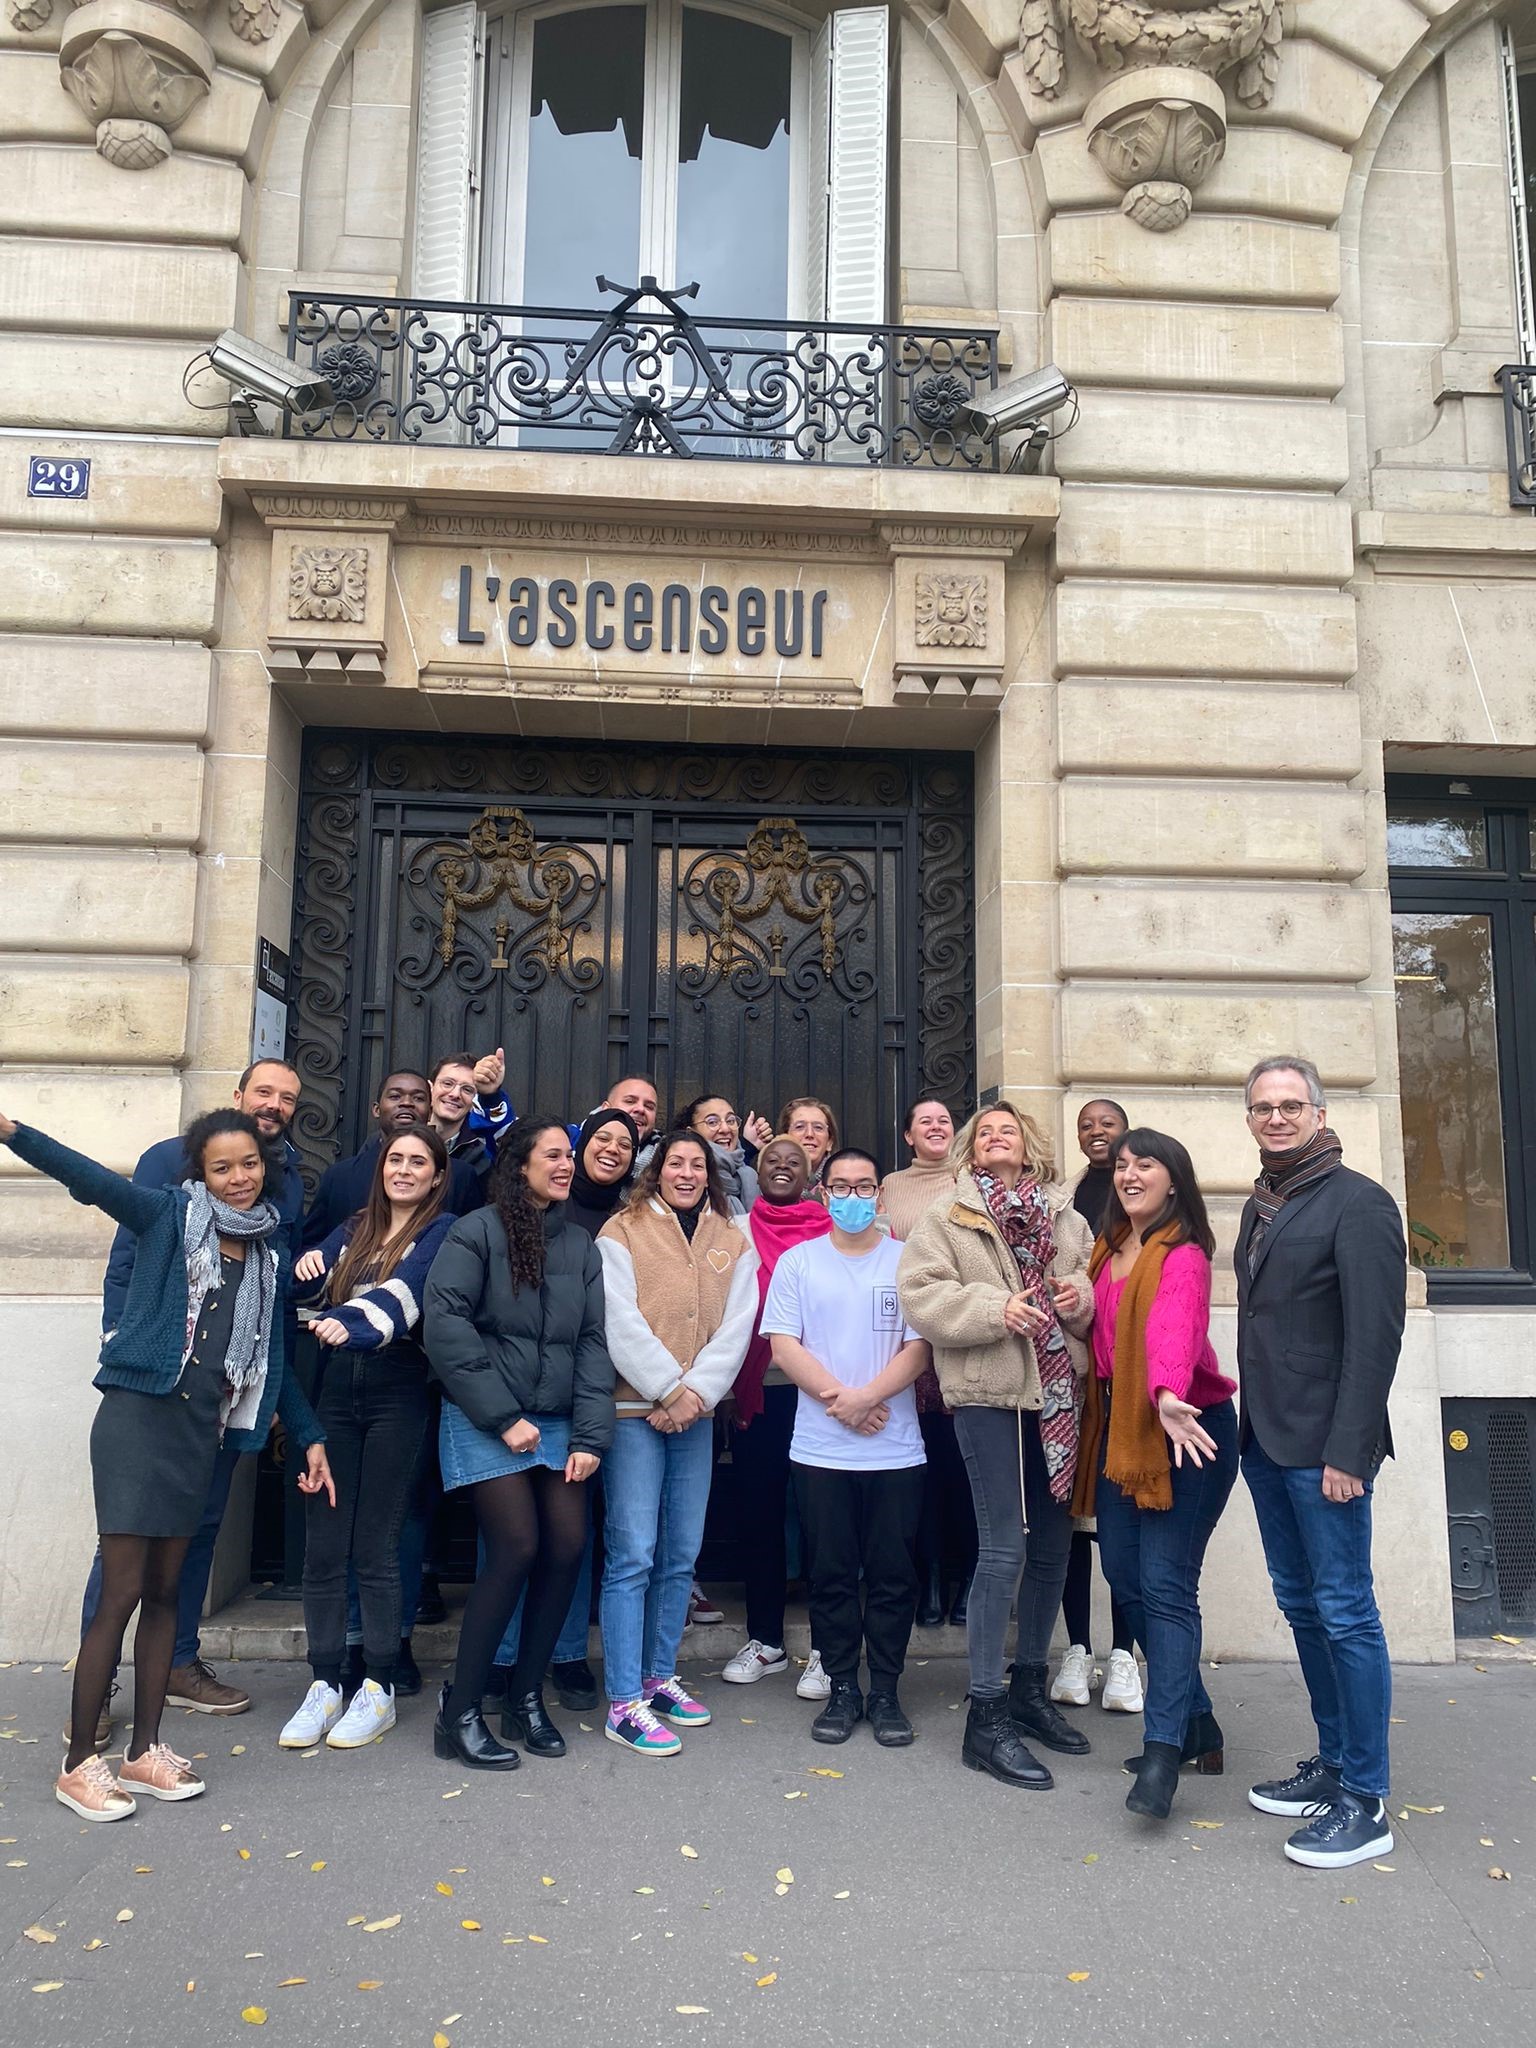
[{"x": 908, "y": 1195}]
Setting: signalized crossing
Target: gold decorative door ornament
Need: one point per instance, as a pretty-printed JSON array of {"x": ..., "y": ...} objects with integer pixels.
[
  {"x": 501, "y": 857},
  {"x": 776, "y": 872}
]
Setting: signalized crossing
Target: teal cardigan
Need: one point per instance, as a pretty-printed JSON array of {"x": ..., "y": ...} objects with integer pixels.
[{"x": 146, "y": 1350}]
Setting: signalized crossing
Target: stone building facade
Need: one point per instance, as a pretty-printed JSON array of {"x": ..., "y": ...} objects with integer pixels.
[{"x": 1269, "y": 589}]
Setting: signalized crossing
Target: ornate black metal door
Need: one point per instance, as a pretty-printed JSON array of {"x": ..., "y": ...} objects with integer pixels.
[{"x": 768, "y": 925}]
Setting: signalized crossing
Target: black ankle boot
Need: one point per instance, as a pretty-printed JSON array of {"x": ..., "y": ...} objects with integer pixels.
[
  {"x": 992, "y": 1744},
  {"x": 930, "y": 1601},
  {"x": 524, "y": 1720},
  {"x": 957, "y": 1613},
  {"x": 1204, "y": 1746},
  {"x": 1157, "y": 1779},
  {"x": 1033, "y": 1711},
  {"x": 467, "y": 1740},
  {"x": 407, "y": 1671},
  {"x": 575, "y": 1686}
]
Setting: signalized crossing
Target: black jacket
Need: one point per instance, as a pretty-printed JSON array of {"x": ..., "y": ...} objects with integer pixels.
[
  {"x": 344, "y": 1186},
  {"x": 1320, "y": 1325},
  {"x": 502, "y": 1353}
]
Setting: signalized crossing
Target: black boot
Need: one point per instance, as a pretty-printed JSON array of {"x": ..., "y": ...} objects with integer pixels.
[
  {"x": 1203, "y": 1747},
  {"x": 407, "y": 1671},
  {"x": 992, "y": 1744},
  {"x": 1033, "y": 1711},
  {"x": 524, "y": 1720},
  {"x": 930, "y": 1601},
  {"x": 888, "y": 1721},
  {"x": 842, "y": 1713},
  {"x": 467, "y": 1740},
  {"x": 1157, "y": 1779},
  {"x": 575, "y": 1686},
  {"x": 957, "y": 1613},
  {"x": 430, "y": 1607}
]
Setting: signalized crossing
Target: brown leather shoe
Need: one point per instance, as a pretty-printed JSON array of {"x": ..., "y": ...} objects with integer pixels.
[
  {"x": 103, "y": 1734},
  {"x": 194, "y": 1685}
]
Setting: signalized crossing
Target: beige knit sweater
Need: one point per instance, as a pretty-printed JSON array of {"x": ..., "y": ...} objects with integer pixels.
[
  {"x": 956, "y": 1273},
  {"x": 908, "y": 1195}
]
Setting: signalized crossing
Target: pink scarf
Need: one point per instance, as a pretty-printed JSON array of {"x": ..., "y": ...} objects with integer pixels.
[{"x": 775, "y": 1227}]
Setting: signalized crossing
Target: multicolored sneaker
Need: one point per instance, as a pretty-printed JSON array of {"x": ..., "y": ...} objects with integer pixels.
[
  {"x": 161, "y": 1773},
  {"x": 632, "y": 1723},
  {"x": 671, "y": 1699}
]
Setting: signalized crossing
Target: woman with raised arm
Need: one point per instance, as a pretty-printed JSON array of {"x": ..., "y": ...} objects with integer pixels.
[
  {"x": 369, "y": 1277},
  {"x": 196, "y": 1360},
  {"x": 514, "y": 1331}
]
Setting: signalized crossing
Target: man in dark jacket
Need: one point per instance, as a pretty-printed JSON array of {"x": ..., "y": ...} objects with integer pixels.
[
  {"x": 268, "y": 1091},
  {"x": 404, "y": 1099},
  {"x": 1321, "y": 1291}
]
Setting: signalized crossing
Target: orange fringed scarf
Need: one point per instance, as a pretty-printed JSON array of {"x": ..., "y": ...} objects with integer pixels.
[{"x": 1137, "y": 1458}]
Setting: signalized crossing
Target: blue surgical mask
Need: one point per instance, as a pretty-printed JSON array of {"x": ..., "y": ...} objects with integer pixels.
[{"x": 852, "y": 1213}]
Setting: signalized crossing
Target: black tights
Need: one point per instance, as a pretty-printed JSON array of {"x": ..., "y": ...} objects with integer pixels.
[
  {"x": 1077, "y": 1602},
  {"x": 142, "y": 1572},
  {"x": 534, "y": 1525}
]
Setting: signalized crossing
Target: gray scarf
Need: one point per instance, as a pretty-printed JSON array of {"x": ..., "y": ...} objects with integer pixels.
[{"x": 245, "y": 1362}]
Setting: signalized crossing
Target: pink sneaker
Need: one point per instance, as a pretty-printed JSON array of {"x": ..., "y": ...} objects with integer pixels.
[
  {"x": 671, "y": 1699},
  {"x": 162, "y": 1774},
  {"x": 91, "y": 1791},
  {"x": 632, "y": 1724}
]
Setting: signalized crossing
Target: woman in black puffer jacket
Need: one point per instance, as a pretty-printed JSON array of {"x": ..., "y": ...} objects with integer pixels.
[{"x": 513, "y": 1328}]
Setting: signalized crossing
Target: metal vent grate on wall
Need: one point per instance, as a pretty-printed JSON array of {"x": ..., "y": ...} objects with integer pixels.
[{"x": 1490, "y": 1490}]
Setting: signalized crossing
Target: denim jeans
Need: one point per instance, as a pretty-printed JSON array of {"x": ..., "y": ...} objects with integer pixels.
[
  {"x": 572, "y": 1645},
  {"x": 1319, "y": 1557},
  {"x": 378, "y": 1421},
  {"x": 656, "y": 1495},
  {"x": 1152, "y": 1559},
  {"x": 193, "y": 1590},
  {"x": 993, "y": 1443}
]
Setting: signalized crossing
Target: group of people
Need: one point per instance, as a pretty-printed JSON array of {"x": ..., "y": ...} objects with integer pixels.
[{"x": 528, "y": 1309}]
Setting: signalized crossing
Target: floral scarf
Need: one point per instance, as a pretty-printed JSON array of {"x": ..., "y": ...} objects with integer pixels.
[{"x": 1023, "y": 1219}]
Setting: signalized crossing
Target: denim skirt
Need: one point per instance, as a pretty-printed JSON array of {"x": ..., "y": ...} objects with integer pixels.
[{"x": 468, "y": 1454}]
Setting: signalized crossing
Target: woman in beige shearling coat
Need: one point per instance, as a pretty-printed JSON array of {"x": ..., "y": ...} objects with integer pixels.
[{"x": 997, "y": 1281}]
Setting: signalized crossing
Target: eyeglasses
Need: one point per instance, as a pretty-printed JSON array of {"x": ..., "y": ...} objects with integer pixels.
[
  {"x": 1262, "y": 1112},
  {"x": 720, "y": 1123},
  {"x": 867, "y": 1188}
]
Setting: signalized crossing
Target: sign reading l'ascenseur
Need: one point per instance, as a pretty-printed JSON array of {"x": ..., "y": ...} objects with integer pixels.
[{"x": 641, "y": 617}]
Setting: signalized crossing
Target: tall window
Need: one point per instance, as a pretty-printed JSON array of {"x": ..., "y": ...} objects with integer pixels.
[{"x": 1463, "y": 867}]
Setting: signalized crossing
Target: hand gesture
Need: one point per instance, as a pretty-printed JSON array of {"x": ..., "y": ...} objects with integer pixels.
[
  {"x": 580, "y": 1465},
  {"x": 1182, "y": 1424},
  {"x": 685, "y": 1410},
  {"x": 316, "y": 1476},
  {"x": 853, "y": 1407},
  {"x": 327, "y": 1330},
  {"x": 521, "y": 1436},
  {"x": 1022, "y": 1317},
  {"x": 309, "y": 1265},
  {"x": 1068, "y": 1297},
  {"x": 490, "y": 1072},
  {"x": 757, "y": 1130},
  {"x": 7, "y": 1129}
]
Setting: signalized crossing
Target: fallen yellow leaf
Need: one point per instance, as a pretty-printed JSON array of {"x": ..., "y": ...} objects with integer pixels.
[
  {"x": 546, "y": 1880},
  {"x": 369, "y": 1983},
  {"x": 379, "y": 1926},
  {"x": 38, "y": 1934},
  {"x": 56, "y": 1984},
  {"x": 541, "y": 1939},
  {"x": 356, "y": 1920},
  {"x": 1078, "y": 1976},
  {"x": 692, "y": 1854},
  {"x": 1485, "y": 1841},
  {"x": 454, "y": 1795},
  {"x": 1092, "y": 1856},
  {"x": 318, "y": 1866},
  {"x": 445, "y": 1889},
  {"x": 470, "y": 1926},
  {"x": 1387, "y": 1867},
  {"x": 238, "y": 1750},
  {"x": 97, "y": 1943},
  {"x": 821, "y": 1771},
  {"x": 1349, "y": 1902},
  {"x": 126, "y": 1914},
  {"x": 511, "y": 1941},
  {"x": 191, "y": 1983},
  {"x": 1497, "y": 1872},
  {"x": 451, "y": 2017},
  {"x": 771, "y": 1978},
  {"x": 1208, "y": 1824},
  {"x": 645, "y": 1891},
  {"x": 143, "y": 1870},
  {"x": 746, "y": 1722},
  {"x": 746, "y": 1958},
  {"x": 797, "y": 1795},
  {"x": 439, "y": 2039},
  {"x": 688, "y": 2008},
  {"x": 255, "y": 2014},
  {"x": 287, "y": 1983},
  {"x": 842, "y": 1895},
  {"x": 1515, "y": 1640},
  {"x": 1426, "y": 1809},
  {"x": 785, "y": 1876},
  {"x": 245, "y": 1855}
]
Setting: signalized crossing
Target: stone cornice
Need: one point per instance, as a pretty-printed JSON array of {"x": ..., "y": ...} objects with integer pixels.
[{"x": 1435, "y": 543}]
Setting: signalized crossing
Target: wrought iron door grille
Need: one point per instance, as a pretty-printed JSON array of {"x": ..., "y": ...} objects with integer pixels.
[
  {"x": 644, "y": 377},
  {"x": 1517, "y": 381}
]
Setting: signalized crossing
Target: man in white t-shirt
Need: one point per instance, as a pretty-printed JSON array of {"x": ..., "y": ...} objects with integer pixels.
[{"x": 836, "y": 1329}]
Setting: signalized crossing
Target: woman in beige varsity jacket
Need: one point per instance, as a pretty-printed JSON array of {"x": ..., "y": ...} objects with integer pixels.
[{"x": 679, "y": 1276}]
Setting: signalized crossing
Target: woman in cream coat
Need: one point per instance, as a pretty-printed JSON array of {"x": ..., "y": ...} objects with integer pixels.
[{"x": 997, "y": 1281}]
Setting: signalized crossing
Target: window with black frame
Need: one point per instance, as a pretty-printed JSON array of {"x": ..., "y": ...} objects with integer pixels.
[{"x": 1463, "y": 872}]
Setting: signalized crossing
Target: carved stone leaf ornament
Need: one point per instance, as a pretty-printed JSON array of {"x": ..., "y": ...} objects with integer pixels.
[
  {"x": 951, "y": 611},
  {"x": 27, "y": 16},
  {"x": 329, "y": 584},
  {"x": 254, "y": 21},
  {"x": 134, "y": 94}
]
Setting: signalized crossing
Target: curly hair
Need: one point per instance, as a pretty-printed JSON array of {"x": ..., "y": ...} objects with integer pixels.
[
  {"x": 648, "y": 1186},
  {"x": 521, "y": 1218},
  {"x": 222, "y": 1123}
]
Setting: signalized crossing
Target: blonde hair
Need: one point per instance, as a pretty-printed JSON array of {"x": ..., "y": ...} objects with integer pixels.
[{"x": 1039, "y": 1159}]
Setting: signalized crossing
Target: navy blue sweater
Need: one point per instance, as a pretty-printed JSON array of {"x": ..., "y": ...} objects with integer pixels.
[
  {"x": 145, "y": 1350},
  {"x": 379, "y": 1314}
]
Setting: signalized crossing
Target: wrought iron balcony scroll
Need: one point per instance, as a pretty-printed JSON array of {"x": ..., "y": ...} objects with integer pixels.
[
  {"x": 1518, "y": 383},
  {"x": 643, "y": 377}
]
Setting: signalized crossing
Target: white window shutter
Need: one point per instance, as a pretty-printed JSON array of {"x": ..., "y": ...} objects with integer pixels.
[
  {"x": 857, "y": 146},
  {"x": 447, "y": 153},
  {"x": 818, "y": 182}
]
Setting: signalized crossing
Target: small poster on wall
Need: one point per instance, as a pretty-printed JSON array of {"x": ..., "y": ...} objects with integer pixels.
[{"x": 269, "y": 1035}]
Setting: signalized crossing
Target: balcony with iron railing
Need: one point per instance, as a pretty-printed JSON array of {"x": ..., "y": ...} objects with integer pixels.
[{"x": 642, "y": 376}]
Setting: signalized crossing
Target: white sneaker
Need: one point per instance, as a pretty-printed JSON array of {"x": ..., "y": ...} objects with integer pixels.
[
  {"x": 754, "y": 1660},
  {"x": 1074, "y": 1678},
  {"x": 319, "y": 1711},
  {"x": 372, "y": 1712},
  {"x": 813, "y": 1683},
  {"x": 1122, "y": 1684}
]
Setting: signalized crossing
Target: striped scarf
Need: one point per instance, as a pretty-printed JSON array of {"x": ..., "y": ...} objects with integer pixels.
[
  {"x": 1284, "y": 1175},
  {"x": 1023, "y": 1218}
]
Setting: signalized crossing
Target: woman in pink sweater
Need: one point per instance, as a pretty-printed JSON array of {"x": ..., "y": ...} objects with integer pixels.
[{"x": 1165, "y": 1456}]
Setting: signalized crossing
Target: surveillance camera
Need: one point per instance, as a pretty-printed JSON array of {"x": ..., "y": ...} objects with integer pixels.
[
  {"x": 258, "y": 372},
  {"x": 1023, "y": 402}
]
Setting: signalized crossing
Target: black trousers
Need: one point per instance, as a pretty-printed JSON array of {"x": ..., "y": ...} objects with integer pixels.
[
  {"x": 377, "y": 1416},
  {"x": 857, "y": 1522},
  {"x": 760, "y": 1459}
]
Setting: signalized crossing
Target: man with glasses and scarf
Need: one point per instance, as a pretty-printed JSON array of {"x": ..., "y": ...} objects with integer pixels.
[{"x": 1321, "y": 1293}]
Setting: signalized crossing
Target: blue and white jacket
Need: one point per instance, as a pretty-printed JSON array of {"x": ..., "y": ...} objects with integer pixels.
[{"x": 376, "y": 1317}]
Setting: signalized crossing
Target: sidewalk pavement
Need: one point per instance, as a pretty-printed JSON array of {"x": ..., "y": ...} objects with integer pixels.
[{"x": 767, "y": 1889}]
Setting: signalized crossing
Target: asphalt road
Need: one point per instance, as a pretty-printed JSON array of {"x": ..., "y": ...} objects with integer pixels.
[{"x": 926, "y": 1903}]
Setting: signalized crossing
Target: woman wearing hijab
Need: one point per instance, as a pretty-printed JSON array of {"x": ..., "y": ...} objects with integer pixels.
[
  {"x": 783, "y": 1216},
  {"x": 606, "y": 1148},
  {"x": 714, "y": 1120}
]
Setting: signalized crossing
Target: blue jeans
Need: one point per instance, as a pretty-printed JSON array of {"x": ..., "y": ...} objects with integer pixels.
[
  {"x": 193, "y": 1590},
  {"x": 656, "y": 1494},
  {"x": 572, "y": 1646},
  {"x": 1319, "y": 1557},
  {"x": 1152, "y": 1559}
]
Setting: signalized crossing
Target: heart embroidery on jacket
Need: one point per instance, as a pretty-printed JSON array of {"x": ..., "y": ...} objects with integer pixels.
[{"x": 719, "y": 1260}]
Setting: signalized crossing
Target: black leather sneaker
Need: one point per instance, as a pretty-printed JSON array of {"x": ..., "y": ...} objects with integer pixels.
[
  {"x": 888, "y": 1722},
  {"x": 1348, "y": 1830},
  {"x": 841, "y": 1715},
  {"x": 1313, "y": 1783}
]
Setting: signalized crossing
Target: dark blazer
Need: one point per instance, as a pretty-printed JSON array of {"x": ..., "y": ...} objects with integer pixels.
[
  {"x": 344, "y": 1186},
  {"x": 1320, "y": 1325},
  {"x": 499, "y": 1352}
]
